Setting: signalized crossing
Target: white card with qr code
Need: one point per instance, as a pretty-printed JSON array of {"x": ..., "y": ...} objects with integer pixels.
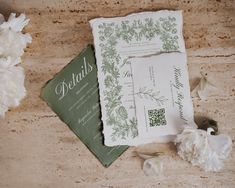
[{"x": 162, "y": 94}]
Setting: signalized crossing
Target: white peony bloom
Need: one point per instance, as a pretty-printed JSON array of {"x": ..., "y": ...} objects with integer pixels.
[
  {"x": 12, "y": 88},
  {"x": 12, "y": 44},
  {"x": 12, "y": 40},
  {"x": 203, "y": 149}
]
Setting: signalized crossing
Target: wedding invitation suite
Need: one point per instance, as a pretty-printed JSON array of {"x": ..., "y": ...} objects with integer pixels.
[
  {"x": 117, "y": 40},
  {"x": 73, "y": 95},
  {"x": 162, "y": 94}
]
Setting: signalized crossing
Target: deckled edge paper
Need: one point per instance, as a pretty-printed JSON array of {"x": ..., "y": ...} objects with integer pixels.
[
  {"x": 162, "y": 96},
  {"x": 104, "y": 27},
  {"x": 78, "y": 105}
]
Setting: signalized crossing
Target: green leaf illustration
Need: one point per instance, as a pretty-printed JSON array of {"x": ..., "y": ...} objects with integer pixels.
[
  {"x": 128, "y": 31},
  {"x": 153, "y": 96}
]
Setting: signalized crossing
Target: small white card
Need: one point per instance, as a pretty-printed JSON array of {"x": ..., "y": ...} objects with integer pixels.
[{"x": 162, "y": 94}]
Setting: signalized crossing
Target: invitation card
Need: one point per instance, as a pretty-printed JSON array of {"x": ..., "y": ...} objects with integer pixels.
[
  {"x": 116, "y": 41},
  {"x": 73, "y": 95},
  {"x": 162, "y": 94}
]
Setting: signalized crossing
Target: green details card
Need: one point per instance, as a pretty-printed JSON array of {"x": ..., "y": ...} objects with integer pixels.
[{"x": 74, "y": 96}]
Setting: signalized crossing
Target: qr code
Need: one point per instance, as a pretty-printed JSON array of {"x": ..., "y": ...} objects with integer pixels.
[{"x": 157, "y": 117}]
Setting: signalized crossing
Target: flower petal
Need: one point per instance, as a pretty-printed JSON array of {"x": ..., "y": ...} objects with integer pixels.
[{"x": 153, "y": 166}]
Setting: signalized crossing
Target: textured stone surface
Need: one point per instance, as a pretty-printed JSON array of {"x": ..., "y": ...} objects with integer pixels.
[{"x": 38, "y": 150}]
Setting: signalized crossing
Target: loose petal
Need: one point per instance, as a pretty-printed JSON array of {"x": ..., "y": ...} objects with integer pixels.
[
  {"x": 205, "y": 88},
  {"x": 153, "y": 166}
]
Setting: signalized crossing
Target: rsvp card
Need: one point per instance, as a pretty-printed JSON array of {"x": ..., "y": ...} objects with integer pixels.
[
  {"x": 73, "y": 95},
  {"x": 116, "y": 40},
  {"x": 162, "y": 94}
]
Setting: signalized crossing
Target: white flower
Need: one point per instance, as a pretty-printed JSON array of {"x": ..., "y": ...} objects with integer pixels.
[
  {"x": 203, "y": 149},
  {"x": 12, "y": 40},
  {"x": 12, "y": 44},
  {"x": 12, "y": 88}
]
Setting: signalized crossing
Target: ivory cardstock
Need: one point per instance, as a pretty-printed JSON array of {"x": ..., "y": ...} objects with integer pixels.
[
  {"x": 162, "y": 94},
  {"x": 116, "y": 40}
]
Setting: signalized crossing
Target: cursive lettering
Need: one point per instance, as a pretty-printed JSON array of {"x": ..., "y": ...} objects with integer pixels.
[
  {"x": 180, "y": 97},
  {"x": 62, "y": 88}
]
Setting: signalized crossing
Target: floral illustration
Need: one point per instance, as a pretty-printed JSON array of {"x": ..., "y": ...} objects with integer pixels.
[{"x": 117, "y": 115}]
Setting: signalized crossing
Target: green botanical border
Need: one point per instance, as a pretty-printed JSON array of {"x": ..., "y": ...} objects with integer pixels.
[{"x": 165, "y": 28}]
